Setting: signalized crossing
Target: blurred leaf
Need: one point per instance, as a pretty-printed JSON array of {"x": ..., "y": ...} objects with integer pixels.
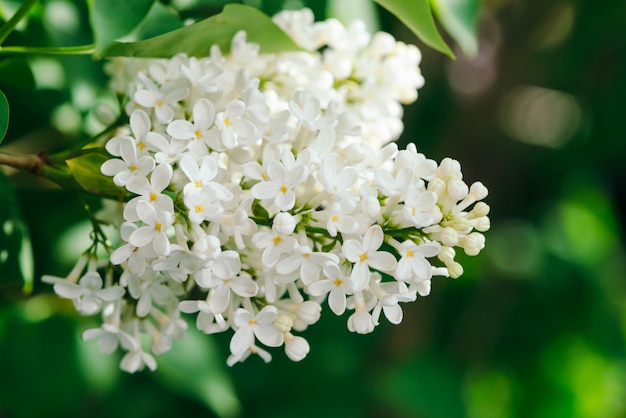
[
  {"x": 4, "y": 115},
  {"x": 112, "y": 19},
  {"x": 17, "y": 73},
  {"x": 459, "y": 17},
  {"x": 194, "y": 367},
  {"x": 86, "y": 171},
  {"x": 196, "y": 39},
  {"x": 15, "y": 248},
  {"x": 160, "y": 19},
  {"x": 417, "y": 16}
]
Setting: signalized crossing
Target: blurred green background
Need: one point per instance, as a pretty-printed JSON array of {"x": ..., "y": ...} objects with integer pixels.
[{"x": 536, "y": 327}]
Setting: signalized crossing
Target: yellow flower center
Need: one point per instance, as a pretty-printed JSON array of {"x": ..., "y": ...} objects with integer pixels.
[
  {"x": 277, "y": 239},
  {"x": 363, "y": 257},
  {"x": 199, "y": 208},
  {"x": 409, "y": 253},
  {"x": 338, "y": 281},
  {"x": 158, "y": 227}
]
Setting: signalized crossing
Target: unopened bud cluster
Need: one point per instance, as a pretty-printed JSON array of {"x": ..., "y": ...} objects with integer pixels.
[{"x": 263, "y": 190}]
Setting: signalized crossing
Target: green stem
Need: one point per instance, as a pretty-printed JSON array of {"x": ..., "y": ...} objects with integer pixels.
[
  {"x": 57, "y": 50},
  {"x": 10, "y": 25}
]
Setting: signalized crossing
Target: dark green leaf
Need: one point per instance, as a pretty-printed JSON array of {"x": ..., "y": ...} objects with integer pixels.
[
  {"x": 17, "y": 73},
  {"x": 113, "y": 19},
  {"x": 196, "y": 39},
  {"x": 4, "y": 115},
  {"x": 459, "y": 17},
  {"x": 417, "y": 16},
  {"x": 86, "y": 171},
  {"x": 16, "y": 261}
]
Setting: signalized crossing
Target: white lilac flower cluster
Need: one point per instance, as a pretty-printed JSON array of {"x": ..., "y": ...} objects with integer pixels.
[{"x": 262, "y": 190}]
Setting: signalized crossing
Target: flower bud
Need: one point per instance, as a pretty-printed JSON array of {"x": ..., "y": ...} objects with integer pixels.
[
  {"x": 283, "y": 323},
  {"x": 309, "y": 312},
  {"x": 296, "y": 348}
]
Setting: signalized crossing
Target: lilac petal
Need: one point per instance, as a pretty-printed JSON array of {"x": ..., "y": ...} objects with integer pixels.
[
  {"x": 244, "y": 286},
  {"x": 107, "y": 343},
  {"x": 337, "y": 301},
  {"x": 189, "y": 167},
  {"x": 429, "y": 249},
  {"x": 267, "y": 315},
  {"x": 139, "y": 123},
  {"x": 242, "y": 340},
  {"x": 181, "y": 129},
  {"x": 112, "y": 167},
  {"x": 289, "y": 264},
  {"x": 285, "y": 201},
  {"x": 111, "y": 294},
  {"x": 382, "y": 261},
  {"x": 203, "y": 114},
  {"x": 373, "y": 238},
  {"x": 268, "y": 335},
  {"x": 321, "y": 287},
  {"x": 242, "y": 318},
  {"x": 142, "y": 236},
  {"x": 220, "y": 299},
  {"x": 352, "y": 250},
  {"x": 68, "y": 290},
  {"x": 393, "y": 314},
  {"x": 146, "y": 98},
  {"x": 162, "y": 244},
  {"x": 144, "y": 305},
  {"x": 360, "y": 276},
  {"x": 265, "y": 190},
  {"x": 161, "y": 177}
]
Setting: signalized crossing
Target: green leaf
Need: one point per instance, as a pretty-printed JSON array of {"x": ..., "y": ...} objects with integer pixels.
[
  {"x": 160, "y": 19},
  {"x": 196, "y": 39},
  {"x": 16, "y": 72},
  {"x": 417, "y": 16},
  {"x": 16, "y": 260},
  {"x": 86, "y": 171},
  {"x": 113, "y": 19},
  {"x": 459, "y": 17},
  {"x": 4, "y": 115}
]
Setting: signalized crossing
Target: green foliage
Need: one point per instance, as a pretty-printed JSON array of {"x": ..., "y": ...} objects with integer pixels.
[
  {"x": 417, "y": 16},
  {"x": 196, "y": 39},
  {"x": 113, "y": 19}
]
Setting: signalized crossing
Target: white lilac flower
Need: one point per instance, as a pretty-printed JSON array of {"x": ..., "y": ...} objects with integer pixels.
[
  {"x": 336, "y": 284},
  {"x": 413, "y": 265},
  {"x": 156, "y": 223},
  {"x": 250, "y": 326},
  {"x": 161, "y": 99},
  {"x": 130, "y": 166},
  {"x": 150, "y": 191},
  {"x": 88, "y": 295},
  {"x": 364, "y": 254},
  {"x": 267, "y": 181}
]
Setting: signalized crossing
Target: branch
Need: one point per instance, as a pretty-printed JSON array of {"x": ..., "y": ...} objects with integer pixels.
[{"x": 10, "y": 25}]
